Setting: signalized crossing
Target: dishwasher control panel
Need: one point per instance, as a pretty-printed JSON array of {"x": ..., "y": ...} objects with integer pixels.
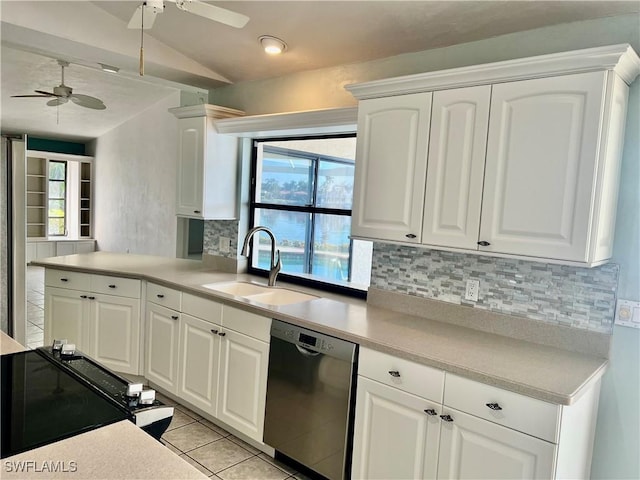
[{"x": 311, "y": 340}]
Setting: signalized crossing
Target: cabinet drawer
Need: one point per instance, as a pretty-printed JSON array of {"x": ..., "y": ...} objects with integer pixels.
[
  {"x": 202, "y": 308},
  {"x": 121, "y": 287},
  {"x": 525, "y": 414},
  {"x": 411, "y": 377},
  {"x": 165, "y": 296},
  {"x": 255, "y": 326},
  {"x": 65, "y": 279}
]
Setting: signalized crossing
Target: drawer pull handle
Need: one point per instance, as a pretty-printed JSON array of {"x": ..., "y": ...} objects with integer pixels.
[
  {"x": 446, "y": 418},
  {"x": 483, "y": 243},
  {"x": 394, "y": 373},
  {"x": 410, "y": 235},
  {"x": 431, "y": 412},
  {"x": 160, "y": 295},
  {"x": 175, "y": 317},
  {"x": 196, "y": 211},
  {"x": 222, "y": 334},
  {"x": 215, "y": 332},
  {"x": 83, "y": 296},
  {"x": 494, "y": 406},
  {"x": 112, "y": 286},
  {"x": 91, "y": 298},
  {"x": 64, "y": 279}
]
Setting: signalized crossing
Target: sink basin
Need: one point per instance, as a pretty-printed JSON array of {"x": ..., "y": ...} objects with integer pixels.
[
  {"x": 258, "y": 293},
  {"x": 239, "y": 289}
]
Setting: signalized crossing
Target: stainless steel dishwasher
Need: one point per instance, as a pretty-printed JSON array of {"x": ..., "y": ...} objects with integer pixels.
[{"x": 309, "y": 409}]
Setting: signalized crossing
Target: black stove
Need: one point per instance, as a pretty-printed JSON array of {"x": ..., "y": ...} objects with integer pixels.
[{"x": 46, "y": 397}]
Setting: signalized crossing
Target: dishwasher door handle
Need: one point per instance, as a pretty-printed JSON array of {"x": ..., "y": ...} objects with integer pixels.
[{"x": 306, "y": 352}]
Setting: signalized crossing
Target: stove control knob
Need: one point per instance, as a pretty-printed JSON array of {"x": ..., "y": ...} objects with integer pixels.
[
  {"x": 134, "y": 389},
  {"x": 147, "y": 397}
]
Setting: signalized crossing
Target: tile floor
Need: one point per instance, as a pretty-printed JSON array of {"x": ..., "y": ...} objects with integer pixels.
[
  {"x": 209, "y": 448},
  {"x": 35, "y": 307}
]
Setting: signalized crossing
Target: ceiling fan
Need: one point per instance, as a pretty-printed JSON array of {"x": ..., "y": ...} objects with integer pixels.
[
  {"x": 145, "y": 14},
  {"x": 63, "y": 93}
]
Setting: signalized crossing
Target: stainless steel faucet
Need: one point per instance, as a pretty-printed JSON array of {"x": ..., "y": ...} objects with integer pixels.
[{"x": 275, "y": 265}]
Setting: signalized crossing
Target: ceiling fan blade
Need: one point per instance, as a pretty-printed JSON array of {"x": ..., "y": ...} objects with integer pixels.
[
  {"x": 149, "y": 17},
  {"x": 47, "y": 94},
  {"x": 217, "y": 14},
  {"x": 29, "y": 96},
  {"x": 57, "y": 101},
  {"x": 87, "y": 101}
]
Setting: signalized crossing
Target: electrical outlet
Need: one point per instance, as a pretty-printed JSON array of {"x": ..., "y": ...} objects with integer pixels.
[
  {"x": 224, "y": 244},
  {"x": 471, "y": 293}
]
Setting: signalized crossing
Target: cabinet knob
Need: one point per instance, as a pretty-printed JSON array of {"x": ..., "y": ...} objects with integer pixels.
[
  {"x": 410, "y": 235},
  {"x": 494, "y": 406},
  {"x": 64, "y": 279},
  {"x": 394, "y": 373},
  {"x": 446, "y": 418},
  {"x": 196, "y": 211},
  {"x": 112, "y": 286},
  {"x": 215, "y": 332},
  {"x": 159, "y": 295},
  {"x": 483, "y": 243},
  {"x": 175, "y": 317},
  {"x": 222, "y": 334},
  {"x": 431, "y": 412}
]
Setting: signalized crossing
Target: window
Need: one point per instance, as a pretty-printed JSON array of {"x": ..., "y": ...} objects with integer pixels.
[
  {"x": 57, "y": 199},
  {"x": 302, "y": 189}
]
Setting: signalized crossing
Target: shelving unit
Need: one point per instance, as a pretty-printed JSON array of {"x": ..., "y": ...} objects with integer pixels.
[
  {"x": 36, "y": 197},
  {"x": 85, "y": 200}
]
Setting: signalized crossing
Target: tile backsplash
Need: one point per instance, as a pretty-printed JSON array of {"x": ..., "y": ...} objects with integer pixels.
[
  {"x": 563, "y": 295},
  {"x": 213, "y": 230}
]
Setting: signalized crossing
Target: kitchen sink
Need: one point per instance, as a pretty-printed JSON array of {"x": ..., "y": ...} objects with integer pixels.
[{"x": 260, "y": 294}]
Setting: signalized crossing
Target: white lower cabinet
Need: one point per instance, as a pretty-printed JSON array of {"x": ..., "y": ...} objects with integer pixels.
[
  {"x": 242, "y": 386},
  {"x": 161, "y": 349},
  {"x": 66, "y": 313},
  {"x": 469, "y": 431},
  {"x": 472, "y": 448}
]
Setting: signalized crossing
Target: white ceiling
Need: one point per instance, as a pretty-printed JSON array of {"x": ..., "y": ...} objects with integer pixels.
[{"x": 189, "y": 52}]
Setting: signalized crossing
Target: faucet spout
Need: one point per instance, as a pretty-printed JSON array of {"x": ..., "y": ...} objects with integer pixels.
[{"x": 276, "y": 264}]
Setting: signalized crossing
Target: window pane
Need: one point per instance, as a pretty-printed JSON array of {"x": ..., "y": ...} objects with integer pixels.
[
  {"x": 57, "y": 170},
  {"x": 335, "y": 185},
  {"x": 56, "y": 189},
  {"x": 331, "y": 247},
  {"x": 291, "y": 230},
  {"x": 56, "y": 208},
  {"x": 56, "y": 226},
  {"x": 285, "y": 180}
]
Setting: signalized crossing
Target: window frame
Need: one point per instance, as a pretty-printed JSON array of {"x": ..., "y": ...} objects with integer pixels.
[
  {"x": 65, "y": 199},
  {"x": 310, "y": 209}
]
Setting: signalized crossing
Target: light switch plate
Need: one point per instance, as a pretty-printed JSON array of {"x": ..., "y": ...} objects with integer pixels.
[{"x": 628, "y": 313}]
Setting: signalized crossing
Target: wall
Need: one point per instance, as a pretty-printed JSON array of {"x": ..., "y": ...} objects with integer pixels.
[
  {"x": 135, "y": 183},
  {"x": 618, "y": 431}
]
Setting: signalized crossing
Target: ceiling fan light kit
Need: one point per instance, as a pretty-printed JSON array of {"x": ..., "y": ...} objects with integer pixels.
[{"x": 272, "y": 45}]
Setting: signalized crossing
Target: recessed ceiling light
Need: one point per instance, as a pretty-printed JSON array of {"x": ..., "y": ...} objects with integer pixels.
[
  {"x": 272, "y": 45},
  {"x": 109, "y": 68}
]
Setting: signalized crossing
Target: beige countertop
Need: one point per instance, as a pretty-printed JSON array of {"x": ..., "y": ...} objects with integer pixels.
[
  {"x": 9, "y": 345},
  {"x": 118, "y": 451},
  {"x": 542, "y": 371}
]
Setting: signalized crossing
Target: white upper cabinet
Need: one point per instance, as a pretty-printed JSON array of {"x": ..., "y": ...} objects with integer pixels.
[
  {"x": 459, "y": 122},
  {"x": 207, "y": 164},
  {"x": 541, "y": 168},
  {"x": 391, "y": 165},
  {"x": 523, "y": 156}
]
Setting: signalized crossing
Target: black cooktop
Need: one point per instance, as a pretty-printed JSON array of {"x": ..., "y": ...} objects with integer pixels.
[{"x": 42, "y": 403}]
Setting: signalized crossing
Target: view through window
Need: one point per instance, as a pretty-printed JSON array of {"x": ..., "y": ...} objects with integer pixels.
[
  {"x": 303, "y": 191},
  {"x": 57, "y": 201}
]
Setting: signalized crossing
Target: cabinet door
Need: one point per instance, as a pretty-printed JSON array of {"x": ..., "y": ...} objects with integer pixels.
[
  {"x": 395, "y": 438},
  {"x": 199, "y": 362},
  {"x": 472, "y": 448},
  {"x": 242, "y": 386},
  {"x": 455, "y": 171},
  {"x": 191, "y": 138},
  {"x": 162, "y": 341},
  {"x": 540, "y": 169},
  {"x": 66, "y": 315},
  {"x": 115, "y": 332},
  {"x": 391, "y": 166}
]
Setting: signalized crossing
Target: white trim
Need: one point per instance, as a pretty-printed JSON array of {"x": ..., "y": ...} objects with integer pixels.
[
  {"x": 325, "y": 121},
  {"x": 205, "y": 110},
  {"x": 621, "y": 59},
  {"x": 69, "y": 157}
]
